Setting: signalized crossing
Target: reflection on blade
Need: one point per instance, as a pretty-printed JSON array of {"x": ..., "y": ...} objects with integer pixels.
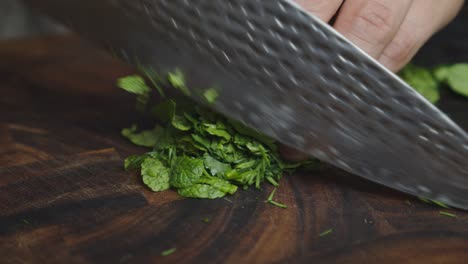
[{"x": 292, "y": 77}]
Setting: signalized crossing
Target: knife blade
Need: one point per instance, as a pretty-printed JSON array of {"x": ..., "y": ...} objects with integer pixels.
[{"x": 284, "y": 72}]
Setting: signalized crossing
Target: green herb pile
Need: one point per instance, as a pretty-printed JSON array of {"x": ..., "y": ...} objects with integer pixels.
[
  {"x": 428, "y": 82},
  {"x": 203, "y": 154},
  {"x": 194, "y": 150}
]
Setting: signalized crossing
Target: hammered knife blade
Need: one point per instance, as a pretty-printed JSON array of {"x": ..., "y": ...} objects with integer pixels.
[{"x": 285, "y": 73}]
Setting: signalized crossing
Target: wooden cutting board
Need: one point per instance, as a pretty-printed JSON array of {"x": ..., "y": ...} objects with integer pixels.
[{"x": 64, "y": 197}]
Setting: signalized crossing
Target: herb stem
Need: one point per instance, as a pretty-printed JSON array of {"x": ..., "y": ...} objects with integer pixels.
[
  {"x": 168, "y": 252},
  {"x": 326, "y": 232},
  {"x": 448, "y": 214}
]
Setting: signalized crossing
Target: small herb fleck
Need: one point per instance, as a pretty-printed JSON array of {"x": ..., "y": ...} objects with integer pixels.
[
  {"x": 272, "y": 181},
  {"x": 26, "y": 222},
  {"x": 177, "y": 80},
  {"x": 206, "y": 220},
  {"x": 448, "y": 214},
  {"x": 440, "y": 204},
  {"x": 326, "y": 232},
  {"x": 168, "y": 252},
  {"x": 272, "y": 194},
  {"x": 424, "y": 200},
  {"x": 211, "y": 95},
  {"x": 278, "y": 204},
  {"x": 270, "y": 200}
]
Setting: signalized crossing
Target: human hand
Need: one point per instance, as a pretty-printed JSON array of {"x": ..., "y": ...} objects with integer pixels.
[{"x": 391, "y": 31}]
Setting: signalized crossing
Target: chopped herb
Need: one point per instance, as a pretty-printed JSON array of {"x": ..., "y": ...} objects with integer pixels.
[
  {"x": 428, "y": 201},
  {"x": 448, "y": 214},
  {"x": 428, "y": 82},
  {"x": 422, "y": 80},
  {"x": 206, "y": 220},
  {"x": 177, "y": 80},
  {"x": 440, "y": 204},
  {"x": 26, "y": 222},
  {"x": 197, "y": 151},
  {"x": 134, "y": 84},
  {"x": 455, "y": 76},
  {"x": 211, "y": 95},
  {"x": 272, "y": 181},
  {"x": 145, "y": 138},
  {"x": 154, "y": 78},
  {"x": 270, "y": 200},
  {"x": 326, "y": 232},
  {"x": 278, "y": 204},
  {"x": 425, "y": 200},
  {"x": 168, "y": 252},
  {"x": 272, "y": 194}
]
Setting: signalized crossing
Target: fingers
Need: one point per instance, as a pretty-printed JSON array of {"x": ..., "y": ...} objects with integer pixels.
[
  {"x": 424, "y": 18},
  {"x": 372, "y": 24},
  {"x": 323, "y": 9}
]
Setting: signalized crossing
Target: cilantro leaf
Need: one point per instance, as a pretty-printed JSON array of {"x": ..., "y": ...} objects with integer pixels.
[
  {"x": 155, "y": 174},
  {"x": 422, "y": 80},
  {"x": 186, "y": 171},
  {"x": 201, "y": 191}
]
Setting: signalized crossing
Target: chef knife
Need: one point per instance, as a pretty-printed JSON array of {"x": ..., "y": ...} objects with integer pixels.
[{"x": 285, "y": 73}]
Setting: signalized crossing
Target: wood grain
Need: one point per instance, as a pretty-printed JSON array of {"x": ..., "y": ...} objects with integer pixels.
[{"x": 64, "y": 196}]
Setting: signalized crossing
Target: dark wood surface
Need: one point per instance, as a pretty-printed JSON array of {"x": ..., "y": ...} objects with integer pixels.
[{"x": 64, "y": 197}]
